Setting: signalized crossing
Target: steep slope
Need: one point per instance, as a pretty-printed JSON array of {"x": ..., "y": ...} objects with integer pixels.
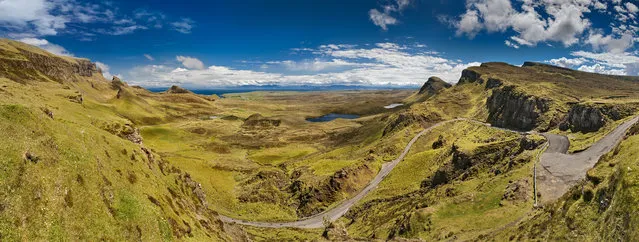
[
  {"x": 600, "y": 208},
  {"x": 74, "y": 169}
]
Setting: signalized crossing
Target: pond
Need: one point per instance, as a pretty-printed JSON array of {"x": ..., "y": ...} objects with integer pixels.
[
  {"x": 331, "y": 117},
  {"x": 394, "y": 105}
]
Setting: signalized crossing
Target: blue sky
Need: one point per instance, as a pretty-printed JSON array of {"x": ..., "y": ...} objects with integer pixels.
[{"x": 324, "y": 42}]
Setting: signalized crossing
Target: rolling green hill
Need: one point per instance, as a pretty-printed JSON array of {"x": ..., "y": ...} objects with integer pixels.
[{"x": 85, "y": 158}]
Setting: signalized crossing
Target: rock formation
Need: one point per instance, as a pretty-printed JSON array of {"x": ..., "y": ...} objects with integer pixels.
[
  {"x": 470, "y": 76},
  {"x": 433, "y": 86},
  {"x": 259, "y": 121},
  {"x": 177, "y": 90},
  {"x": 55, "y": 68},
  {"x": 512, "y": 109}
]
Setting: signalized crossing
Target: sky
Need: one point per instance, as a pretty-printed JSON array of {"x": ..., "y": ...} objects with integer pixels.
[{"x": 210, "y": 44}]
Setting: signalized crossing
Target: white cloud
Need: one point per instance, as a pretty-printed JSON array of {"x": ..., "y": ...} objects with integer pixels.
[
  {"x": 38, "y": 18},
  {"x": 105, "y": 70},
  {"x": 381, "y": 19},
  {"x": 31, "y": 15},
  {"x": 619, "y": 60},
  {"x": 469, "y": 24},
  {"x": 609, "y": 43},
  {"x": 149, "y": 57},
  {"x": 185, "y": 25},
  {"x": 348, "y": 66},
  {"x": 190, "y": 62},
  {"x": 605, "y": 63},
  {"x": 316, "y": 65},
  {"x": 602, "y": 69},
  {"x": 565, "y": 21},
  {"x": 511, "y": 44},
  {"x": 46, "y": 45},
  {"x": 567, "y": 62},
  {"x": 631, "y": 7}
]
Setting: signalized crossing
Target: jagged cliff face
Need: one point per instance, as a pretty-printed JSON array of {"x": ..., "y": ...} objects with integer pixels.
[
  {"x": 512, "y": 109},
  {"x": 507, "y": 106},
  {"x": 55, "y": 68},
  {"x": 592, "y": 117},
  {"x": 583, "y": 118}
]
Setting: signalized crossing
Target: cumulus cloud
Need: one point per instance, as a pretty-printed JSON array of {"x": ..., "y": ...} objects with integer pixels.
[
  {"x": 605, "y": 62},
  {"x": 567, "y": 62},
  {"x": 381, "y": 64},
  {"x": 602, "y": 69},
  {"x": 46, "y": 45},
  {"x": 610, "y": 43},
  {"x": 537, "y": 20},
  {"x": 190, "y": 62},
  {"x": 32, "y": 15},
  {"x": 384, "y": 18}
]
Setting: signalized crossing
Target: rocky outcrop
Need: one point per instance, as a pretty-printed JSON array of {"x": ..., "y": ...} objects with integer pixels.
[
  {"x": 315, "y": 199},
  {"x": 591, "y": 117},
  {"x": 512, "y": 109},
  {"x": 177, "y": 90},
  {"x": 433, "y": 86},
  {"x": 470, "y": 76},
  {"x": 406, "y": 119},
  {"x": 125, "y": 131},
  {"x": 583, "y": 118},
  {"x": 55, "y": 68},
  {"x": 259, "y": 121},
  {"x": 493, "y": 83}
]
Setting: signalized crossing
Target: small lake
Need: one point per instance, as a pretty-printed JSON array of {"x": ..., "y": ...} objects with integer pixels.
[
  {"x": 394, "y": 105},
  {"x": 331, "y": 117}
]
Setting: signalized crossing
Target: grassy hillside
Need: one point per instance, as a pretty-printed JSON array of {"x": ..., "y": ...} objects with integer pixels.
[
  {"x": 601, "y": 208},
  {"x": 86, "y": 158}
]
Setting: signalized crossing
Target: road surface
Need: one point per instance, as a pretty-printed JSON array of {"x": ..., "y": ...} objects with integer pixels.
[
  {"x": 557, "y": 171},
  {"x": 317, "y": 221}
]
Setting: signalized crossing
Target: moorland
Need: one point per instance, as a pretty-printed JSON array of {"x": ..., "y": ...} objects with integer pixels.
[{"x": 86, "y": 158}]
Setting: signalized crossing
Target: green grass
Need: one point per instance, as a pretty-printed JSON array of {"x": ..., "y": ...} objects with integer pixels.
[
  {"x": 476, "y": 206},
  {"x": 609, "y": 215},
  {"x": 278, "y": 155}
]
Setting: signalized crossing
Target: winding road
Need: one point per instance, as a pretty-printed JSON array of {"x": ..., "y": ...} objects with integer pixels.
[{"x": 558, "y": 171}]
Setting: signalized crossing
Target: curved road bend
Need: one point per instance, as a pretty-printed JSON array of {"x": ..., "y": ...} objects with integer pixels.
[
  {"x": 317, "y": 221},
  {"x": 558, "y": 172}
]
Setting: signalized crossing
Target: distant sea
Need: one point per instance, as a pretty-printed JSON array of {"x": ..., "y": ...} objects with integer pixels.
[{"x": 221, "y": 91}]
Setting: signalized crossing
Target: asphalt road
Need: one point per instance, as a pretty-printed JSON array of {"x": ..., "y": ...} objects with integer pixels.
[
  {"x": 317, "y": 221},
  {"x": 559, "y": 171}
]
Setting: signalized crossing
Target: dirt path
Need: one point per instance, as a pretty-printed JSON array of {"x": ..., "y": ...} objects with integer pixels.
[{"x": 558, "y": 172}]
